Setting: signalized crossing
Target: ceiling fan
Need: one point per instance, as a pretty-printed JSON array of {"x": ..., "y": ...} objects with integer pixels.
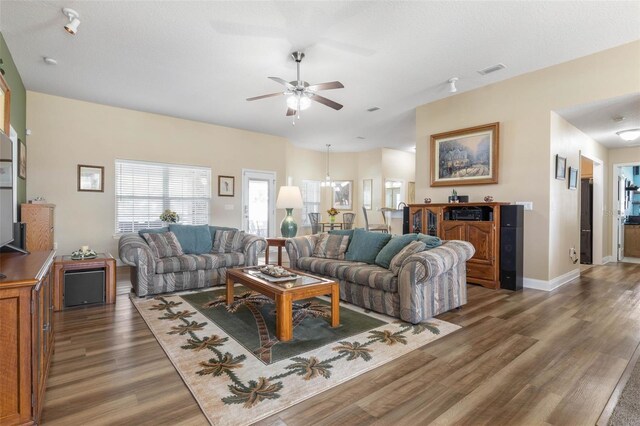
[{"x": 300, "y": 93}]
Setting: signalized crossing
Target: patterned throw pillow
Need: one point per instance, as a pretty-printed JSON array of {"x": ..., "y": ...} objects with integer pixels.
[
  {"x": 163, "y": 245},
  {"x": 411, "y": 248},
  {"x": 228, "y": 241},
  {"x": 331, "y": 246}
]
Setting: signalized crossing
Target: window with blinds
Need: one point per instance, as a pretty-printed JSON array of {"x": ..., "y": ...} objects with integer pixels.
[
  {"x": 144, "y": 190},
  {"x": 310, "y": 198}
]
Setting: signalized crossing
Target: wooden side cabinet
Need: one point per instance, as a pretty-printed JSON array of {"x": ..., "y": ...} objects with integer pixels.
[
  {"x": 39, "y": 220},
  {"x": 26, "y": 334}
]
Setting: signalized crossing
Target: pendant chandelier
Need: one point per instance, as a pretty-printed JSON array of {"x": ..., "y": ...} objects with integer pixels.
[{"x": 327, "y": 180}]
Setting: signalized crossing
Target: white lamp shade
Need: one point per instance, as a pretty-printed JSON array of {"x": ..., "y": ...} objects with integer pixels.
[{"x": 289, "y": 197}]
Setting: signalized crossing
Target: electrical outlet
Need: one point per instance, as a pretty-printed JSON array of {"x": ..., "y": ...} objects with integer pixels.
[
  {"x": 55, "y": 246},
  {"x": 528, "y": 205}
]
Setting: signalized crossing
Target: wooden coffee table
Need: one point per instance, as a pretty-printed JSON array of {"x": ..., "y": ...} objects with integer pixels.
[{"x": 284, "y": 297}]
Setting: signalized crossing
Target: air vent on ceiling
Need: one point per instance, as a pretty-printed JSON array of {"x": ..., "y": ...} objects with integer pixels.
[
  {"x": 373, "y": 109},
  {"x": 492, "y": 68},
  {"x": 360, "y": 137}
]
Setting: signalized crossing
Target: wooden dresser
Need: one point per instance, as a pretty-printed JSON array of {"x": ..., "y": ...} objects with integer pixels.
[
  {"x": 436, "y": 219},
  {"x": 39, "y": 220},
  {"x": 26, "y": 334}
]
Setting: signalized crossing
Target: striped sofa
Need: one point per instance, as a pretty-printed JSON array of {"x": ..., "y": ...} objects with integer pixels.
[
  {"x": 150, "y": 275},
  {"x": 428, "y": 283}
]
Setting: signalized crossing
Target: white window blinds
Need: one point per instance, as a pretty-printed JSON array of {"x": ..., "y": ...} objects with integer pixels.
[
  {"x": 144, "y": 190},
  {"x": 310, "y": 198}
]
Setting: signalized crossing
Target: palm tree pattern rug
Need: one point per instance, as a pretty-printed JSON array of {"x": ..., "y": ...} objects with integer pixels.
[{"x": 239, "y": 372}]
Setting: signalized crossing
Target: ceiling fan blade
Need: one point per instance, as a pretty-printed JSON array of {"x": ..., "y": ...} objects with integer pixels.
[
  {"x": 326, "y": 86},
  {"x": 327, "y": 102},
  {"x": 283, "y": 82},
  {"x": 264, "y": 96},
  {"x": 290, "y": 112}
]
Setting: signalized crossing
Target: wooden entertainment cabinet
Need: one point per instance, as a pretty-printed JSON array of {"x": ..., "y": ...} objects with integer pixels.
[
  {"x": 435, "y": 219},
  {"x": 26, "y": 334}
]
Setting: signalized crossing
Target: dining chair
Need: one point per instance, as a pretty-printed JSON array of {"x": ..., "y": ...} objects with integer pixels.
[
  {"x": 374, "y": 227},
  {"x": 314, "y": 218},
  {"x": 347, "y": 220}
]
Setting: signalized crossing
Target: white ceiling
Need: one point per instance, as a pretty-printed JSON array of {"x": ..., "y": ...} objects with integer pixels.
[
  {"x": 598, "y": 119},
  {"x": 200, "y": 60}
]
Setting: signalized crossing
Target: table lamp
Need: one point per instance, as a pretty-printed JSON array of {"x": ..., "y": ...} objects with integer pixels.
[{"x": 289, "y": 198}]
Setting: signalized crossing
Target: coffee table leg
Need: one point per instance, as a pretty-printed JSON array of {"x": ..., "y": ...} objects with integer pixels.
[
  {"x": 284, "y": 319},
  {"x": 335, "y": 306},
  {"x": 229, "y": 291}
]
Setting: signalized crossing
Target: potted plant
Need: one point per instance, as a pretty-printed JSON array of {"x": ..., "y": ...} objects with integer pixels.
[
  {"x": 332, "y": 214},
  {"x": 169, "y": 216},
  {"x": 453, "y": 198}
]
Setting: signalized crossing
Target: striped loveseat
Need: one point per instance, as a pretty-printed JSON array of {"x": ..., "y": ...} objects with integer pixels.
[
  {"x": 429, "y": 282},
  {"x": 150, "y": 275}
]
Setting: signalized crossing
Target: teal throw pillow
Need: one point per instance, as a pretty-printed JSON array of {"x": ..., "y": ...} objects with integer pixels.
[
  {"x": 430, "y": 241},
  {"x": 365, "y": 246},
  {"x": 194, "y": 239},
  {"x": 153, "y": 230},
  {"x": 392, "y": 248}
]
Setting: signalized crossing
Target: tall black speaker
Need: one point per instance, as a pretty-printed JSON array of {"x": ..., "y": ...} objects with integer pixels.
[
  {"x": 405, "y": 220},
  {"x": 511, "y": 246}
]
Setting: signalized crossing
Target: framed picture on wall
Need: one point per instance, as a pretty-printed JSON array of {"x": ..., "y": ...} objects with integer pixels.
[
  {"x": 573, "y": 178},
  {"x": 466, "y": 156},
  {"x": 367, "y": 193},
  {"x": 90, "y": 178},
  {"x": 22, "y": 159},
  {"x": 343, "y": 195},
  {"x": 561, "y": 168},
  {"x": 226, "y": 186},
  {"x": 6, "y": 174}
]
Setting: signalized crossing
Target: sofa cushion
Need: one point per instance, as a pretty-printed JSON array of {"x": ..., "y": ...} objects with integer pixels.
[
  {"x": 411, "y": 248},
  {"x": 430, "y": 241},
  {"x": 224, "y": 260},
  {"x": 184, "y": 263},
  {"x": 373, "y": 276},
  {"x": 392, "y": 248},
  {"x": 228, "y": 241},
  {"x": 365, "y": 245},
  {"x": 153, "y": 230},
  {"x": 163, "y": 245},
  {"x": 194, "y": 239},
  {"x": 198, "y": 262},
  {"x": 331, "y": 246},
  {"x": 327, "y": 267}
]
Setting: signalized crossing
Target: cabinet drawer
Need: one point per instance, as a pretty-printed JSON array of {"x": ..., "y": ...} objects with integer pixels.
[{"x": 485, "y": 272}]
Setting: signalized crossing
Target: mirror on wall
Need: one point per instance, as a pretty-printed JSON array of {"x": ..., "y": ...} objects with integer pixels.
[{"x": 392, "y": 193}]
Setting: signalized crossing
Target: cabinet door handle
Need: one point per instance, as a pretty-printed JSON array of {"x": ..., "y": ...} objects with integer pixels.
[{"x": 46, "y": 327}]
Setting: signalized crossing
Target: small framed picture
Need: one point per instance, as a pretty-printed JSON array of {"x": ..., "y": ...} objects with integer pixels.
[
  {"x": 573, "y": 178},
  {"x": 22, "y": 159},
  {"x": 90, "y": 178},
  {"x": 6, "y": 174},
  {"x": 561, "y": 168},
  {"x": 226, "y": 186}
]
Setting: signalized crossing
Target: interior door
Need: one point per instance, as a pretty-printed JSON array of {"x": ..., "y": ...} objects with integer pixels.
[
  {"x": 586, "y": 222},
  {"x": 258, "y": 202},
  {"x": 620, "y": 216}
]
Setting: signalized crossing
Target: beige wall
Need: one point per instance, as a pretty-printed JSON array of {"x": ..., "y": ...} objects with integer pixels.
[
  {"x": 522, "y": 105},
  {"x": 68, "y": 132}
]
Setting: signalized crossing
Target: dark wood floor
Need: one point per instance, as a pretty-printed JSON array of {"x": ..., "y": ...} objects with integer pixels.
[{"x": 529, "y": 357}]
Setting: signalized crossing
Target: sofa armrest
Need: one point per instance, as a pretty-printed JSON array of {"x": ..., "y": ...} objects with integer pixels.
[
  {"x": 300, "y": 247},
  {"x": 134, "y": 251},
  {"x": 428, "y": 264},
  {"x": 252, "y": 247}
]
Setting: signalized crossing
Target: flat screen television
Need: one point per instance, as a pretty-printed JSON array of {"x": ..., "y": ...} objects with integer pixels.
[{"x": 6, "y": 190}]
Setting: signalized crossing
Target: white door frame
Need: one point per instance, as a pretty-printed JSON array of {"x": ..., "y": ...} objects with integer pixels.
[
  {"x": 615, "y": 207},
  {"x": 269, "y": 176},
  {"x": 597, "y": 232}
]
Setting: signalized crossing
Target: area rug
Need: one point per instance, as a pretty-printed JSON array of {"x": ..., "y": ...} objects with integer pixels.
[
  {"x": 627, "y": 411},
  {"x": 240, "y": 373}
]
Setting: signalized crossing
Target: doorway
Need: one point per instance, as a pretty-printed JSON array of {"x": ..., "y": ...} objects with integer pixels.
[
  {"x": 586, "y": 211},
  {"x": 258, "y": 202},
  {"x": 626, "y": 203}
]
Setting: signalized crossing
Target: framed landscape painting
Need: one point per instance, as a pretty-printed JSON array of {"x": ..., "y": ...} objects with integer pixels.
[
  {"x": 466, "y": 156},
  {"x": 343, "y": 195},
  {"x": 90, "y": 178}
]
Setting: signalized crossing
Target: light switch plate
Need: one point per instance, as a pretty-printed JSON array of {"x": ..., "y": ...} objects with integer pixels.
[
  {"x": 528, "y": 205},
  {"x": 228, "y": 206}
]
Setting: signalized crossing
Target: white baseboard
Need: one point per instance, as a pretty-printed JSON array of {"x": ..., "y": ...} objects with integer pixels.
[
  {"x": 608, "y": 259},
  {"x": 551, "y": 284}
]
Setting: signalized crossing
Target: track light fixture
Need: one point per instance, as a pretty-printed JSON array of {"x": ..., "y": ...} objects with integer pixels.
[
  {"x": 452, "y": 84},
  {"x": 74, "y": 20}
]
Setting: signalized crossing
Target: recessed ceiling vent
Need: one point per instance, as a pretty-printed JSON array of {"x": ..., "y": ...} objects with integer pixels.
[
  {"x": 373, "y": 109},
  {"x": 492, "y": 68},
  {"x": 360, "y": 137}
]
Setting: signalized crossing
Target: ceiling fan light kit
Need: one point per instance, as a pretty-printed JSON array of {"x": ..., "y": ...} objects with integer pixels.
[{"x": 300, "y": 93}]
